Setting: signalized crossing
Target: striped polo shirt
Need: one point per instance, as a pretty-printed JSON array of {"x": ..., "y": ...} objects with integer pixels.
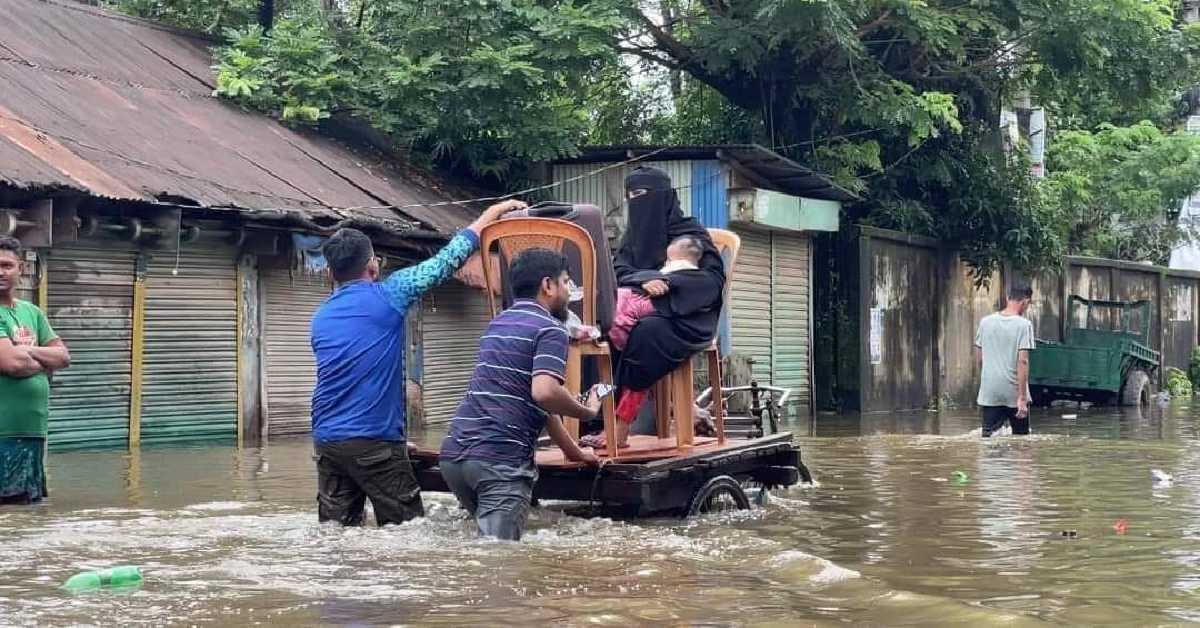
[{"x": 498, "y": 419}]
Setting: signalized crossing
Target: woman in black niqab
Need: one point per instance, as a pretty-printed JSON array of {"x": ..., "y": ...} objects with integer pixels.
[{"x": 687, "y": 316}]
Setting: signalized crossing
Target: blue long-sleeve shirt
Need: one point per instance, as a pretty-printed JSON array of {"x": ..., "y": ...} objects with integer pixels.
[{"x": 358, "y": 338}]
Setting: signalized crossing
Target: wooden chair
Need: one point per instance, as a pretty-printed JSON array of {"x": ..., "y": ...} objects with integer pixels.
[
  {"x": 674, "y": 395},
  {"x": 511, "y": 236}
]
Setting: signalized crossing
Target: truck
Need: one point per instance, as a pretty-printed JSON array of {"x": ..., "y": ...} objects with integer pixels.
[{"x": 1104, "y": 357}]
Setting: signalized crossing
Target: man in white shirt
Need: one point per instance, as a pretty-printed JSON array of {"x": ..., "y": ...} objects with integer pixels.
[{"x": 1002, "y": 346}]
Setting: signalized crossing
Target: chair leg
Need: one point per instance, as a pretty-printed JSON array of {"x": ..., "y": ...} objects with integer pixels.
[
  {"x": 609, "y": 409},
  {"x": 662, "y": 407},
  {"x": 717, "y": 396},
  {"x": 574, "y": 381},
  {"x": 683, "y": 404}
]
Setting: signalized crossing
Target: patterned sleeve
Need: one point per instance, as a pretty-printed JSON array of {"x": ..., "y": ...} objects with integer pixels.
[
  {"x": 406, "y": 285},
  {"x": 550, "y": 353}
]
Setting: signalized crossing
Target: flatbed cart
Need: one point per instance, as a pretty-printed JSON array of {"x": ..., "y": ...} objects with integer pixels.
[
  {"x": 653, "y": 477},
  {"x": 674, "y": 471}
]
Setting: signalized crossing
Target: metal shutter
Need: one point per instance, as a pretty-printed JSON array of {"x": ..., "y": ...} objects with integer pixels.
[
  {"x": 751, "y": 295},
  {"x": 90, "y": 306},
  {"x": 291, "y": 298},
  {"x": 190, "y": 368},
  {"x": 453, "y": 318},
  {"x": 790, "y": 315}
]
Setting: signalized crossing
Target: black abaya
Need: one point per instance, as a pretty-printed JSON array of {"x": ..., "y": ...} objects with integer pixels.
[{"x": 687, "y": 317}]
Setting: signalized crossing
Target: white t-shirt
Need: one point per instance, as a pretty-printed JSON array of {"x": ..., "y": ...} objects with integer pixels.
[{"x": 1001, "y": 337}]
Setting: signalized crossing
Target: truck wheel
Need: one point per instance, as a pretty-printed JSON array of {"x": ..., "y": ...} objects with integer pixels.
[{"x": 1137, "y": 390}]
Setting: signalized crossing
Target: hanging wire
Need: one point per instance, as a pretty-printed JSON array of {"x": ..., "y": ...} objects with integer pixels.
[{"x": 525, "y": 192}]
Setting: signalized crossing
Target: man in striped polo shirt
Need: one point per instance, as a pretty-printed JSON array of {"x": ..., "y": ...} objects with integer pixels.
[{"x": 516, "y": 391}]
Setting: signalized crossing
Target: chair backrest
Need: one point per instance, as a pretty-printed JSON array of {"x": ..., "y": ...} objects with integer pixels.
[
  {"x": 514, "y": 235},
  {"x": 728, "y": 245}
]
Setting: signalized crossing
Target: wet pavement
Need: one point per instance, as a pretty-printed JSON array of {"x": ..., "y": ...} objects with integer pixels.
[{"x": 891, "y": 534}]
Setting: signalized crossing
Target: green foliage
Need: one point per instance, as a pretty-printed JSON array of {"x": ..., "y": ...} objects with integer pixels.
[
  {"x": 1116, "y": 191},
  {"x": 898, "y": 100},
  {"x": 471, "y": 82},
  {"x": 209, "y": 16},
  {"x": 1194, "y": 366},
  {"x": 1177, "y": 383}
]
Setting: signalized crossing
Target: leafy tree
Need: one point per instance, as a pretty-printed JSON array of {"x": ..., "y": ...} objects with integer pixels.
[
  {"x": 1117, "y": 190},
  {"x": 471, "y": 82},
  {"x": 899, "y": 100}
]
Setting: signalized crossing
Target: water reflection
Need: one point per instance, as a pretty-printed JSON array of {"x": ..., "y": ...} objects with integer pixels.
[{"x": 888, "y": 536}]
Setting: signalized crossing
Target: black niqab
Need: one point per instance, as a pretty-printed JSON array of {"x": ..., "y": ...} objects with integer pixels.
[{"x": 687, "y": 316}]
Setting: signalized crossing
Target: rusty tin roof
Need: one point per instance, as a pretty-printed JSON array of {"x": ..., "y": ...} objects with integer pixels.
[{"x": 123, "y": 108}]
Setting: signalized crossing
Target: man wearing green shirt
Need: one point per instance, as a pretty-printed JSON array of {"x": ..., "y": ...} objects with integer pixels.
[{"x": 29, "y": 352}]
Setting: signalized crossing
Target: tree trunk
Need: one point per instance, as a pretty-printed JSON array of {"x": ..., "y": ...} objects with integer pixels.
[{"x": 668, "y": 18}]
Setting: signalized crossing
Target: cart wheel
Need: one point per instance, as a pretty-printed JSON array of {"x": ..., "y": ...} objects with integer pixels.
[
  {"x": 1137, "y": 390},
  {"x": 720, "y": 494}
]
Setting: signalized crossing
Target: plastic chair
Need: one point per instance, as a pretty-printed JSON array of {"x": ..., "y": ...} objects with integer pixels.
[
  {"x": 511, "y": 236},
  {"x": 674, "y": 394}
]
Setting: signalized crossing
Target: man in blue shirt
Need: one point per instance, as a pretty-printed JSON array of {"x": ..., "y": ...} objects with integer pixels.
[
  {"x": 517, "y": 389},
  {"x": 358, "y": 403}
]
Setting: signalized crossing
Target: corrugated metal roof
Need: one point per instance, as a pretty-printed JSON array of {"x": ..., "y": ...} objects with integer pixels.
[
  {"x": 770, "y": 169},
  {"x": 122, "y": 108}
]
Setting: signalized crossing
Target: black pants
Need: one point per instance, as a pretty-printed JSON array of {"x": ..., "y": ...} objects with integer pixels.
[
  {"x": 348, "y": 472},
  {"x": 994, "y": 418}
]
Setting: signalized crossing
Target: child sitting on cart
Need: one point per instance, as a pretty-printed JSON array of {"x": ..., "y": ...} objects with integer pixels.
[{"x": 634, "y": 303}]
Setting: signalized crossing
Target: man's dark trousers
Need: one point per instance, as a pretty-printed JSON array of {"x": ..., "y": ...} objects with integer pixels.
[{"x": 350, "y": 471}]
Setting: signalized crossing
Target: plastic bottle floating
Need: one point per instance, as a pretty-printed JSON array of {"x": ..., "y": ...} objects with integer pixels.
[
  {"x": 1161, "y": 478},
  {"x": 960, "y": 477},
  {"x": 127, "y": 576}
]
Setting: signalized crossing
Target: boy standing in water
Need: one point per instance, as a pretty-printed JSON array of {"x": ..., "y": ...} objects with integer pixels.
[{"x": 1002, "y": 346}]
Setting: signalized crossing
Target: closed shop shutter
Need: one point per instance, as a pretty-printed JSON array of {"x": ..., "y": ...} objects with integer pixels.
[
  {"x": 751, "y": 295},
  {"x": 91, "y": 307},
  {"x": 189, "y": 386},
  {"x": 790, "y": 316},
  {"x": 291, "y": 298},
  {"x": 453, "y": 318}
]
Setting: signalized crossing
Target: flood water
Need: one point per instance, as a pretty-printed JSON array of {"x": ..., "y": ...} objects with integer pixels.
[{"x": 887, "y": 537}]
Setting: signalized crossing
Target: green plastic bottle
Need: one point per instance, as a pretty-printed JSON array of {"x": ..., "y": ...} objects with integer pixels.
[{"x": 116, "y": 577}]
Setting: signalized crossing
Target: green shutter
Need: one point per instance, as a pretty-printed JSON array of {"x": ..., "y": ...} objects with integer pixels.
[
  {"x": 189, "y": 385},
  {"x": 790, "y": 316},
  {"x": 90, "y": 306}
]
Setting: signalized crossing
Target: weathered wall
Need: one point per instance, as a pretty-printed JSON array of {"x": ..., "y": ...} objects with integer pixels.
[
  {"x": 930, "y": 307},
  {"x": 903, "y": 286},
  {"x": 963, "y": 304}
]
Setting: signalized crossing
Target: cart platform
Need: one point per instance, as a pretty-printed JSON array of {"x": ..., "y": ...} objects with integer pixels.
[{"x": 654, "y": 476}]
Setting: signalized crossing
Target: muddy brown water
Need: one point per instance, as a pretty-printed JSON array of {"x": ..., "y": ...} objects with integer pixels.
[{"x": 887, "y": 537}]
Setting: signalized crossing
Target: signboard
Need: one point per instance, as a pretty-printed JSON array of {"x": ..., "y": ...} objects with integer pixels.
[{"x": 876, "y": 335}]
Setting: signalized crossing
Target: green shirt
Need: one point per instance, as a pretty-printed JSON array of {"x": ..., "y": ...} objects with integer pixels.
[{"x": 24, "y": 402}]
